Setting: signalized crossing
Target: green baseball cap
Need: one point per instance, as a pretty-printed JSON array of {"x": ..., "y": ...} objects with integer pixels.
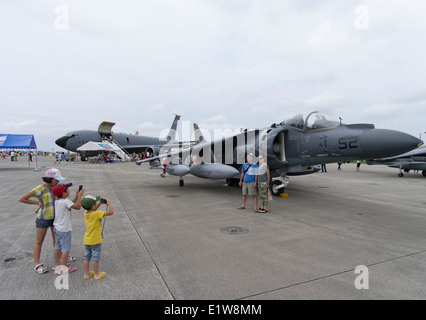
[{"x": 88, "y": 201}]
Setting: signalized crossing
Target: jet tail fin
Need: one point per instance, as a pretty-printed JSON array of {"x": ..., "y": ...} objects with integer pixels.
[
  {"x": 199, "y": 138},
  {"x": 171, "y": 136}
]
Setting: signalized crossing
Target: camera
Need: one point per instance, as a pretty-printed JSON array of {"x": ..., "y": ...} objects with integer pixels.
[
  {"x": 103, "y": 200},
  {"x": 80, "y": 187}
]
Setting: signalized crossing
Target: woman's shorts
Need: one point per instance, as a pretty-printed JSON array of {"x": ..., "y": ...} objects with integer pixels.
[
  {"x": 44, "y": 224},
  {"x": 92, "y": 252},
  {"x": 63, "y": 241}
]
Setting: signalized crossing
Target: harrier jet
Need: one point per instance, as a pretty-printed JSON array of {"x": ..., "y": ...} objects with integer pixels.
[{"x": 293, "y": 147}]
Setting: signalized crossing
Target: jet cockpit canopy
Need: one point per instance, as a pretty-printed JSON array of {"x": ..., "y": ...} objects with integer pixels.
[{"x": 309, "y": 121}]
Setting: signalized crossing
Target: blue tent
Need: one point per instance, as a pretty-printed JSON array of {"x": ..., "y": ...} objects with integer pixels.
[{"x": 17, "y": 141}]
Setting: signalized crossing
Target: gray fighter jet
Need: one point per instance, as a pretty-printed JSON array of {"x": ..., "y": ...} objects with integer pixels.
[
  {"x": 413, "y": 160},
  {"x": 130, "y": 143},
  {"x": 293, "y": 147}
]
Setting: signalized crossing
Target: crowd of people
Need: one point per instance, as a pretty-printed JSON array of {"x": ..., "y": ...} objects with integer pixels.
[{"x": 15, "y": 155}]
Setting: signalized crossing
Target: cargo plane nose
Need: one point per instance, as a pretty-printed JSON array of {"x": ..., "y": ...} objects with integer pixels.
[
  {"x": 382, "y": 143},
  {"x": 62, "y": 141}
]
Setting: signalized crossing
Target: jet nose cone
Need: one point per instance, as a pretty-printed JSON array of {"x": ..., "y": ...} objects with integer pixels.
[
  {"x": 62, "y": 141},
  {"x": 382, "y": 143}
]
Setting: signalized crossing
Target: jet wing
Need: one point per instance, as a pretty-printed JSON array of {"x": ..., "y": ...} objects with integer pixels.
[
  {"x": 204, "y": 152},
  {"x": 175, "y": 157},
  {"x": 409, "y": 165},
  {"x": 139, "y": 162},
  {"x": 140, "y": 147}
]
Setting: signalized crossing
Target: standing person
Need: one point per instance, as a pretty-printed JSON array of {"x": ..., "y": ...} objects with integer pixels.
[
  {"x": 93, "y": 236},
  {"x": 358, "y": 164},
  {"x": 62, "y": 223},
  {"x": 163, "y": 175},
  {"x": 263, "y": 184},
  {"x": 45, "y": 212},
  {"x": 248, "y": 182}
]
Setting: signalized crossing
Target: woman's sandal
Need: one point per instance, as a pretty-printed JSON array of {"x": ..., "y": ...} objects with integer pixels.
[{"x": 72, "y": 269}]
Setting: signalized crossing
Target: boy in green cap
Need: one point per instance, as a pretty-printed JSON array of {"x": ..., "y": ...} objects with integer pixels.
[{"x": 93, "y": 237}]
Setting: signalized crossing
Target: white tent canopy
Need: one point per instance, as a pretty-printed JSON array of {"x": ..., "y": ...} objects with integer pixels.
[
  {"x": 104, "y": 146},
  {"x": 98, "y": 146}
]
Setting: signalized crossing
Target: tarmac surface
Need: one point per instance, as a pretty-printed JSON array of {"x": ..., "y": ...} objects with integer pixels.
[{"x": 168, "y": 242}]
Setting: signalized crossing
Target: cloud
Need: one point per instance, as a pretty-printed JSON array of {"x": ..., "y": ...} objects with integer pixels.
[
  {"x": 410, "y": 97},
  {"x": 385, "y": 110},
  {"x": 325, "y": 101},
  {"x": 156, "y": 108},
  {"x": 137, "y": 62},
  {"x": 149, "y": 128},
  {"x": 217, "y": 119},
  {"x": 16, "y": 125}
]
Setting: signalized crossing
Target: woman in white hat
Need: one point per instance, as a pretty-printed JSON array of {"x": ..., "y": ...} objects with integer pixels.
[{"x": 45, "y": 212}]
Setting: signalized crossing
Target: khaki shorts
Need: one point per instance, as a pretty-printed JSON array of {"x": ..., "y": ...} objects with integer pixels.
[{"x": 248, "y": 189}]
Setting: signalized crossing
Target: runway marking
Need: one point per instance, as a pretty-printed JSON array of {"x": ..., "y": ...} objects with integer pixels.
[
  {"x": 330, "y": 275},
  {"x": 144, "y": 244}
]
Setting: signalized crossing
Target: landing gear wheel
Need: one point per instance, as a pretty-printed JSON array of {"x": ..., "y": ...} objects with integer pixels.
[
  {"x": 181, "y": 183},
  {"x": 277, "y": 187},
  {"x": 230, "y": 182}
]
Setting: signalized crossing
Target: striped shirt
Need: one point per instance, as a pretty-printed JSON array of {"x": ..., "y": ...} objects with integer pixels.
[{"x": 47, "y": 200}]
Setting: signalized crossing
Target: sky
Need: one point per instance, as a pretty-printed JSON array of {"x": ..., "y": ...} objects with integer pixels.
[{"x": 225, "y": 64}]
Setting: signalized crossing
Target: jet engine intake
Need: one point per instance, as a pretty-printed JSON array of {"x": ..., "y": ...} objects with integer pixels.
[
  {"x": 152, "y": 151},
  {"x": 276, "y": 145}
]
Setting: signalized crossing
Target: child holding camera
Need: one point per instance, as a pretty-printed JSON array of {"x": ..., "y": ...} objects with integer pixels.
[
  {"x": 93, "y": 237},
  {"x": 62, "y": 222}
]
